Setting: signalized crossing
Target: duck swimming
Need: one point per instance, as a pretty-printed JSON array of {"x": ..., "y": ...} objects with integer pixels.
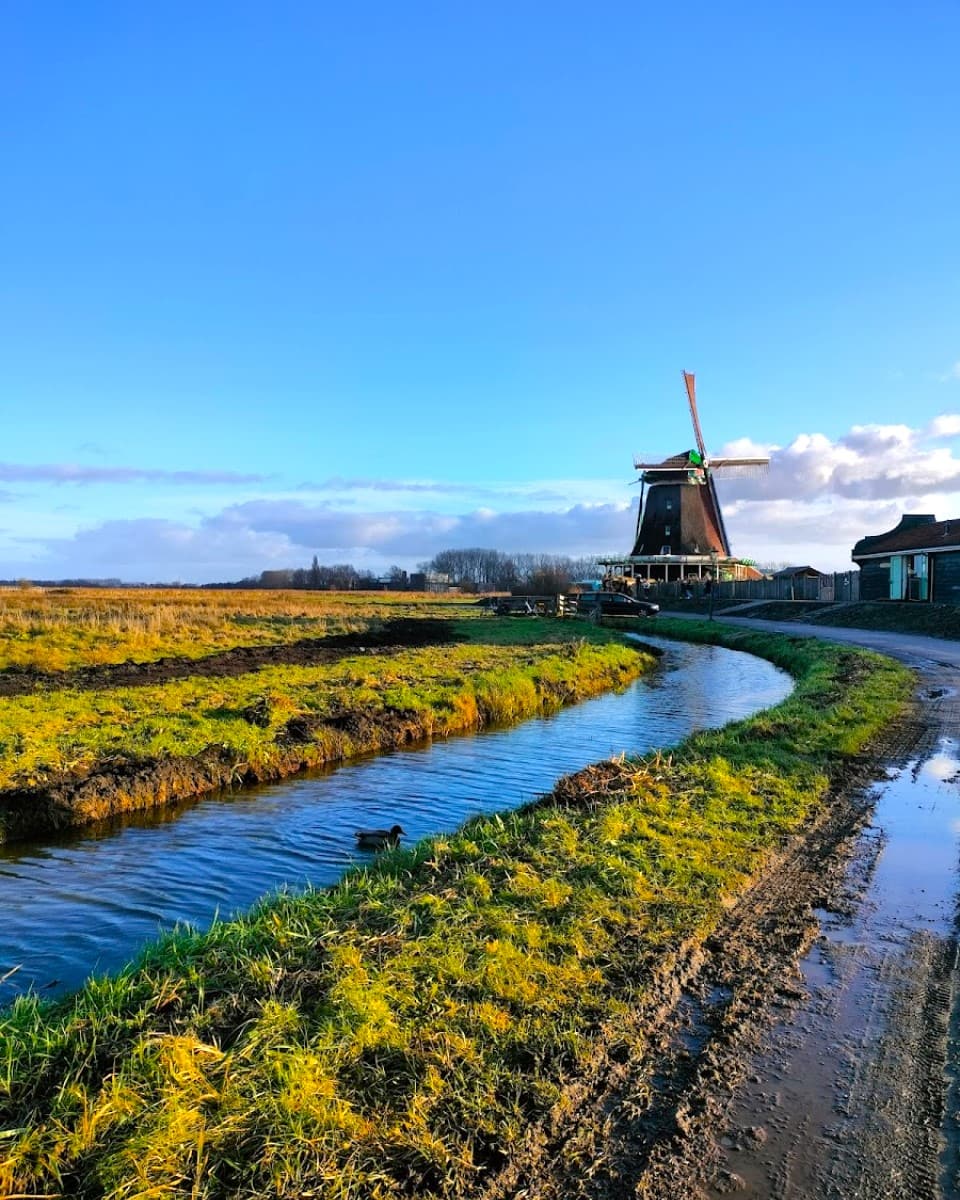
[{"x": 378, "y": 839}]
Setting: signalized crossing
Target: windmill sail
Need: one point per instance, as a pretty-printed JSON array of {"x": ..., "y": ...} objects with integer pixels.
[{"x": 715, "y": 500}]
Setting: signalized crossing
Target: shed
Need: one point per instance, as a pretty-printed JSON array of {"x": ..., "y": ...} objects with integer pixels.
[
  {"x": 918, "y": 560},
  {"x": 806, "y": 572}
]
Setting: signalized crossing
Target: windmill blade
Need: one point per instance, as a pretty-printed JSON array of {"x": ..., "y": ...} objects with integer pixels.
[
  {"x": 740, "y": 466},
  {"x": 662, "y": 466},
  {"x": 689, "y": 461},
  {"x": 692, "y": 397},
  {"x": 719, "y": 515}
]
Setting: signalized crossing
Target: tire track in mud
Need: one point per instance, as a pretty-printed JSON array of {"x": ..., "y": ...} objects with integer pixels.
[{"x": 758, "y": 1071}]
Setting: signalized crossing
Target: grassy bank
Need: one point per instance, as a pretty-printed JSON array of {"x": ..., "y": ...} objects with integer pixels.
[
  {"x": 394, "y": 1035},
  {"x": 933, "y": 620},
  {"x": 69, "y": 757}
]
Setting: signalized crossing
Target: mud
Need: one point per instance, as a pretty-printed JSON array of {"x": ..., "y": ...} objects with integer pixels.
[
  {"x": 388, "y": 638},
  {"x": 746, "y": 1072}
]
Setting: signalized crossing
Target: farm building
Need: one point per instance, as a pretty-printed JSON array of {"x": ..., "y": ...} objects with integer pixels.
[
  {"x": 919, "y": 560},
  {"x": 805, "y": 572}
]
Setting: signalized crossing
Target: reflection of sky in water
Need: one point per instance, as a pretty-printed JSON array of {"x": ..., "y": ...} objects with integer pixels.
[
  {"x": 917, "y": 808},
  {"x": 943, "y": 766},
  {"x": 86, "y": 903}
]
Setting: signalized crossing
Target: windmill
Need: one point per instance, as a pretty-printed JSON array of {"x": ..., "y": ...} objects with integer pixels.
[{"x": 681, "y": 515}]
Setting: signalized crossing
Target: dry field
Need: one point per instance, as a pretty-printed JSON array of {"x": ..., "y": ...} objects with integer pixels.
[{"x": 56, "y": 629}]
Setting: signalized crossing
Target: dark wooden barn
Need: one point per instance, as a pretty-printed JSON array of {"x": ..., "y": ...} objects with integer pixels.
[{"x": 918, "y": 560}]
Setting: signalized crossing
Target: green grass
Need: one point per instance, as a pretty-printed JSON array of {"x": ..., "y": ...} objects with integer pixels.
[
  {"x": 509, "y": 670},
  {"x": 58, "y": 629},
  {"x": 933, "y": 620},
  {"x": 396, "y": 1034}
]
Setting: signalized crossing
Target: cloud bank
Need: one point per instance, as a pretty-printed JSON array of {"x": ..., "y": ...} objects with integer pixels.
[{"x": 818, "y": 497}]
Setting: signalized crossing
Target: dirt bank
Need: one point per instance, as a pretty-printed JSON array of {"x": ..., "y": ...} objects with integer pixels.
[
  {"x": 707, "y": 1103},
  {"x": 390, "y": 636}
]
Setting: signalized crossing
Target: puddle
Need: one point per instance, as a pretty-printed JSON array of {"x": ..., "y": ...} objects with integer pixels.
[{"x": 852, "y": 1075}]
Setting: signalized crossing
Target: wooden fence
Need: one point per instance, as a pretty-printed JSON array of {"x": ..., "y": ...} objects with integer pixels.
[{"x": 840, "y": 586}]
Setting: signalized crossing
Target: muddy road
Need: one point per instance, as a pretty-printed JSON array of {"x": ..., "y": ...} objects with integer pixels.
[{"x": 805, "y": 1053}]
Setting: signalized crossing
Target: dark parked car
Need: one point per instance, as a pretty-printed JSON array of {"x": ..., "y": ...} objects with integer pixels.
[{"x": 614, "y": 604}]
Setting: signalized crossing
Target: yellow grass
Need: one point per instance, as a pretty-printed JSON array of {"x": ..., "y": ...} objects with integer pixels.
[{"x": 55, "y": 629}]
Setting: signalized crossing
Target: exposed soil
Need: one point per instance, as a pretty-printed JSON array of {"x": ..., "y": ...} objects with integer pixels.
[
  {"x": 392, "y": 636},
  {"x": 132, "y": 785},
  {"x": 687, "y": 1088}
]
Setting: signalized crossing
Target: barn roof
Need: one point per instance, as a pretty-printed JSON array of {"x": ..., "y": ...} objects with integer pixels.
[
  {"x": 792, "y": 572},
  {"x": 916, "y": 531}
]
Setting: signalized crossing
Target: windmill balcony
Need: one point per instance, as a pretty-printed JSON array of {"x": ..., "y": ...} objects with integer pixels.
[{"x": 676, "y": 568}]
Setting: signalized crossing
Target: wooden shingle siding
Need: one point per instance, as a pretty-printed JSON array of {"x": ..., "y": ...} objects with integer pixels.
[
  {"x": 875, "y": 579},
  {"x": 945, "y": 569}
]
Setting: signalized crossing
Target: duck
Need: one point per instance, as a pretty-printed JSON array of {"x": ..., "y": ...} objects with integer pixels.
[{"x": 378, "y": 839}]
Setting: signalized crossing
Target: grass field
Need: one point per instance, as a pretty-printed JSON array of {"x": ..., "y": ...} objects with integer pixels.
[
  {"x": 507, "y": 670},
  {"x": 395, "y": 1035},
  {"x": 933, "y": 620},
  {"x": 55, "y": 629}
]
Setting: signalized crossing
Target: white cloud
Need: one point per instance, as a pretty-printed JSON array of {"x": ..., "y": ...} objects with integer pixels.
[
  {"x": 819, "y": 496},
  {"x": 341, "y": 485},
  {"x": 951, "y": 373},
  {"x": 871, "y": 462},
  {"x": 946, "y": 425},
  {"x": 257, "y": 535}
]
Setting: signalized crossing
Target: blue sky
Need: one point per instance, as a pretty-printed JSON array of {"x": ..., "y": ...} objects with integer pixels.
[{"x": 284, "y": 279}]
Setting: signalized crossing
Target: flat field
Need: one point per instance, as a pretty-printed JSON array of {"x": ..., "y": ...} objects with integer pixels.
[
  {"x": 264, "y": 691},
  {"x": 56, "y": 629},
  {"x": 399, "y": 1034}
]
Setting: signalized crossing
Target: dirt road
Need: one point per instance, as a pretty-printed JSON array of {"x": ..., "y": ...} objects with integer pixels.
[
  {"x": 806, "y": 1053},
  {"x": 850, "y": 1092}
]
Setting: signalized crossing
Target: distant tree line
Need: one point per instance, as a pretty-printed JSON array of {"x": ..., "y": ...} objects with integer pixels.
[
  {"x": 341, "y": 577},
  {"x": 478, "y": 570},
  {"x": 471, "y": 570}
]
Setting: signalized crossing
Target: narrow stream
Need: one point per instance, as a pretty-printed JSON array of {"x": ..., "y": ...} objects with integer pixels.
[{"x": 85, "y": 904}]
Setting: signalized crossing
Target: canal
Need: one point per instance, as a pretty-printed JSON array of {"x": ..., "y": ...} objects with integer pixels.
[{"x": 88, "y": 902}]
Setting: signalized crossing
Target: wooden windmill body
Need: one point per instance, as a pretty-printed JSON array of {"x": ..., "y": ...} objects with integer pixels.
[{"x": 680, "y": 531}]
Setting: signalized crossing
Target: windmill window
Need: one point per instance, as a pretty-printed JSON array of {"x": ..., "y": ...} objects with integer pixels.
[
  {"x": 666, "y": 530},
  {"x": 664, "y": 549},
  {"x": 669, "y": 505}
]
